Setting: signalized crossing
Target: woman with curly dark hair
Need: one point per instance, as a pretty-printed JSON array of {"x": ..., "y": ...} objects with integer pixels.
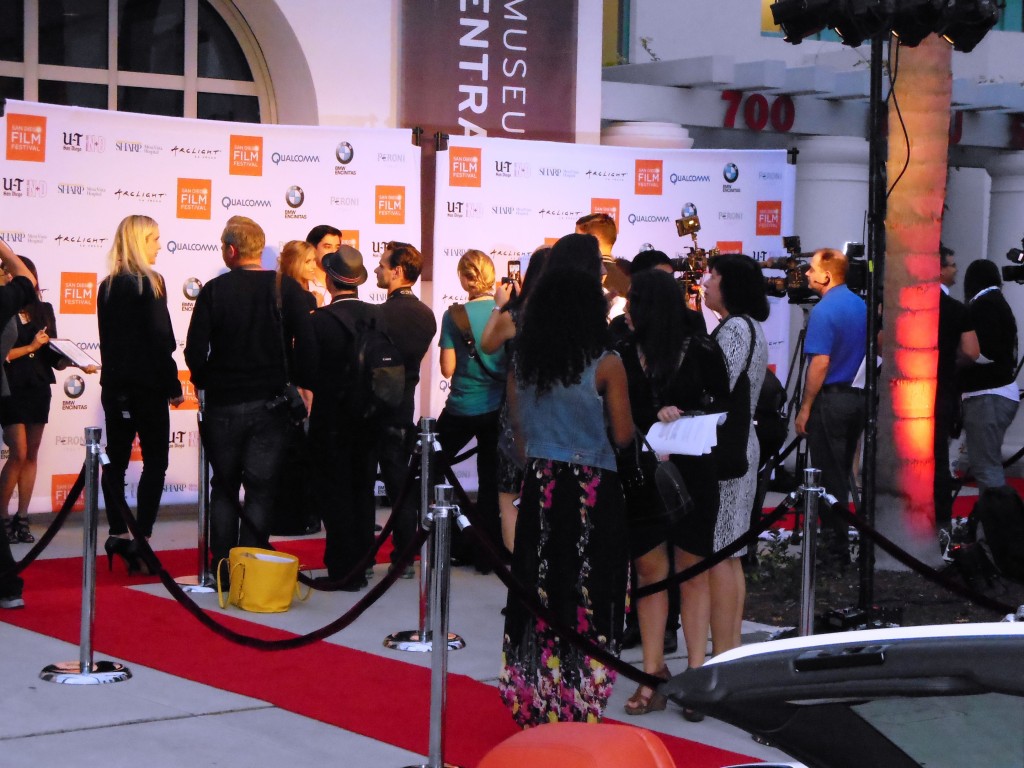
[
  {"x": 570, "y": 533},
  {"x": 671, "y": 369}
]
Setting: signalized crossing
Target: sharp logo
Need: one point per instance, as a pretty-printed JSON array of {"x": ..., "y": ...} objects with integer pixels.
[
  {"x": 71, "y": 189},
  {"x": 133, "y": 147},
  {"x": 559, "y": 173}
]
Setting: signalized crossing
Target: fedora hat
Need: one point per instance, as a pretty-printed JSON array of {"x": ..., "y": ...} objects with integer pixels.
[{"x": 345, "y": 266}]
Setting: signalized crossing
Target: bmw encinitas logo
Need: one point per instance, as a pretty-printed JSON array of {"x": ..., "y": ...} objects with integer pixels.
[
  {"x": 74, "y": 386},
  {"x": 295, "y": 196},
  {"x": 344, "y": 153},
  {"x": 731, "y": 172},
  {"x": 191, "y": 288},
  {"x": 689, "y": 209}
]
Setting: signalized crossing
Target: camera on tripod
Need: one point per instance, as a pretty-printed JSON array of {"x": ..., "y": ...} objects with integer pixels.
[
  {"x": 1015, "y": 273},
  {"x": 794, "y": 284}
]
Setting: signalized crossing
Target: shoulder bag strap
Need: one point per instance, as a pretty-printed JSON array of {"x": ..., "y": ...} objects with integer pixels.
[{"x": 460, "y": 316}]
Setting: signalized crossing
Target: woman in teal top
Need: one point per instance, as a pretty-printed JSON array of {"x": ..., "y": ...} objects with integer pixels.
[{"x": 477, "y": 386}]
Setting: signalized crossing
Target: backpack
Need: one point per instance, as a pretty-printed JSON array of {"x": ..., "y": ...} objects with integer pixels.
[
  {"x": 376, "y": 381},
  {"x": 997, "y": 524},
  {"x": 771, "y": 421}
]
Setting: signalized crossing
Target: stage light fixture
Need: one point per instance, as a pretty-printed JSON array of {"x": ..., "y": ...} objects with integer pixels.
[
  {"x": 800, "y": 18},
  {"x": 856, "y": 21},
  {"x": 965, "y": 22},
  {"x": 914, "y": 20}
]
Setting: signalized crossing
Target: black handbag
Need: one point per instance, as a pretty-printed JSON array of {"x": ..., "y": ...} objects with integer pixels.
[
  {"x": 656, "y": 495},
  {"x": 733, "y": 434}
]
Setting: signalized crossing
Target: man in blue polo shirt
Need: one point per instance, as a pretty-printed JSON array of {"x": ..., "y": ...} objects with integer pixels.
[{"x": 831, "y": 415}]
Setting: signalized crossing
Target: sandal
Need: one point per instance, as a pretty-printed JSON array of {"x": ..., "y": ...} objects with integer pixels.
[
  {"x": 9, "y": 531},
  {"x": 640, "y": 704},
  {"x": 19, "y": 531}
]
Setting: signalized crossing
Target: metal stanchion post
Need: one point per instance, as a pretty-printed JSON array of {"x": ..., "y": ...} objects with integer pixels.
[
  {"x": 85, "y": 671},
  {"x": 418, "y": 640},
  {"x": 443, "y": 511},
  {"x": 811, "y": 490},
  {"x": 203, "y": 581}
]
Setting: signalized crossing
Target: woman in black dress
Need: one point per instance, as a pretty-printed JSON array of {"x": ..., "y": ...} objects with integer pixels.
[
  {"x": 25, "y": 411},
  {"x": 139, "y": 378},
  {"x": 672, "y": 368}
]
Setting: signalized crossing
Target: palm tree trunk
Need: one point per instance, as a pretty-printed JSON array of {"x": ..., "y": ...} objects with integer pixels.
[{"x": 906, "y": 463}]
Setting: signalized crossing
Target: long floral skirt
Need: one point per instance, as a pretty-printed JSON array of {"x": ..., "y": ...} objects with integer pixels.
[{"x": 571, "y": 547}]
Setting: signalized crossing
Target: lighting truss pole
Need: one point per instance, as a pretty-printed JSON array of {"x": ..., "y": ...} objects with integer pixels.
[{"x": 877, "y": 150}]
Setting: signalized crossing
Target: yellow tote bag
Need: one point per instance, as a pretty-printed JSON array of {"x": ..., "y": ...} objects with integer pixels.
[{"x": 262, "y": 580}]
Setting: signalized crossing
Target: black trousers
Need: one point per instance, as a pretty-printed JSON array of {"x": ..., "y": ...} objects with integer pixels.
[
  {"x": 454, "y": 433},
  {"x": 837, "y": 419},
  {"x": 346, "y": 469},
  {"x": 394, "y": 450},
  {"x": 129, "y": 413}
]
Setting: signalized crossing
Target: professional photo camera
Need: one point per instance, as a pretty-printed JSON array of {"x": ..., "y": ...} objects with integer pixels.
[
  {"x": 1015, "y": 274},
  {"x": 694, "y": 265}
]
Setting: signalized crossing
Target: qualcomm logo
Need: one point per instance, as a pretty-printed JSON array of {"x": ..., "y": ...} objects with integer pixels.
[
  {"x": 244, "y": 202},
  {"x": 683, "y": 178},
  {"x": 173, "y": 246},
  {"x": 277, "y": 158},
  {"x": 646, "y": 219}
]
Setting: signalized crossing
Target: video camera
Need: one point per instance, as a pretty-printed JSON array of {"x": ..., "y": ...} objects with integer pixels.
[
  {"x": 1015, "y": 274},
  {"x": 795, "y": 284}
]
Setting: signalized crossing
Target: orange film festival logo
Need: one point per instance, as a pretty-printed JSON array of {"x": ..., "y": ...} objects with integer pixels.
[
  {"x": 550, "y": 241},
  {"x": 390, "y": 207},
  {"x": 246, "y": 156},
  {"x": 26, "y": 138},
  {"x": 136, "y": 454},
  {"x": 194, "y": 198},
  {"x": 769, "y": 217},
  {"x": 78, "y": 293},
  {"x": 464, "y": 165},
  {"x": 729, "y": 246},
  {"x": 350, "y": 237},
  {"x": 608, "y": 205},
  {"x": 191, "y": 398},
  {"x": 60, "y": 489},
  {"x": 649, "y": 176}
]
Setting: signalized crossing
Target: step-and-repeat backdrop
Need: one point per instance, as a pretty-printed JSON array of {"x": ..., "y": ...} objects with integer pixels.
[
  {"x": 70, "y": 175},
  {"x": 507, "y": 197}
]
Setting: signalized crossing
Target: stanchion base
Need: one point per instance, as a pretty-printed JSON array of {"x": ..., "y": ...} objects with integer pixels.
[
  {"x": 69, "y": 673},
  {"x": 411, "y": 641},
  {"x": 193, "y": 584},
  {"x": 428, "y": 765}
]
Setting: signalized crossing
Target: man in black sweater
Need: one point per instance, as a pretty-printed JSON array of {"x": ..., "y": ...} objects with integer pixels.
[
  {"x": 241, "y": 326},
  {"x": 342, "y": 437},
  {"x": 990, "y": 394},
  {"x": 411, "y": 326}
]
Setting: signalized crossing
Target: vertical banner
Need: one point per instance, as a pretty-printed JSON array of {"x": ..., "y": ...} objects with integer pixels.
[
  {"x": 477, "y": 67},
  {"x": 70, "y": 175},
  {"x": 508, "y": 197}
]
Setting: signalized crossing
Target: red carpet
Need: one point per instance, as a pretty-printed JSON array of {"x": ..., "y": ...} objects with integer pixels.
[{"x": 357, "y": 691}]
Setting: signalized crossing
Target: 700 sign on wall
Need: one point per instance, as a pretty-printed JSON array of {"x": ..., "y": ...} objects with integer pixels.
[{"x": 758, "y": 111}]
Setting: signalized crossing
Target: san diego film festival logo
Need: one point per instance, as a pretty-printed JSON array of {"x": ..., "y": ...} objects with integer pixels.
[
  {"x": 26, "y": 138},
  {"x": 78, "y": 293},
  {"x": 294, "y": 197},
  {"x": 195, "y": 198},
  {"x": 246, "y": 156},
  {"x": 390, "y": 204}
]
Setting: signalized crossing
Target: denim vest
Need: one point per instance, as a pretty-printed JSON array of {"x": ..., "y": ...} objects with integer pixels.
[{"x": 567, "y": 423}]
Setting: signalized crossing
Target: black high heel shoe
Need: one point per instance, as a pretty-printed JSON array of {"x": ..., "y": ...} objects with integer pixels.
[
  {"x": 136, "y": 562},
  {"x": 115, "y": 545}
]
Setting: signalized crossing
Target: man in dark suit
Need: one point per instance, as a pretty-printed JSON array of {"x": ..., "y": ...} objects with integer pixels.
[
  {"x": 342, "y": 437},
  {"x": 957, "y": 343},
  {"x": 411, "y": 326}
]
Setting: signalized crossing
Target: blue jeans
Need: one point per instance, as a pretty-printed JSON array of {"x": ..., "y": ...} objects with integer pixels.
[
  {"x": 986, "y": 419},
  {"x": 245, "y": 444}
]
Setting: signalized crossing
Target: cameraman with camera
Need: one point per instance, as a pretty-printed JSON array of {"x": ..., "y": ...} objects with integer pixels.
[
  {"x": 831, "y": 415},
  {"x": 245, "y": 343}
]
